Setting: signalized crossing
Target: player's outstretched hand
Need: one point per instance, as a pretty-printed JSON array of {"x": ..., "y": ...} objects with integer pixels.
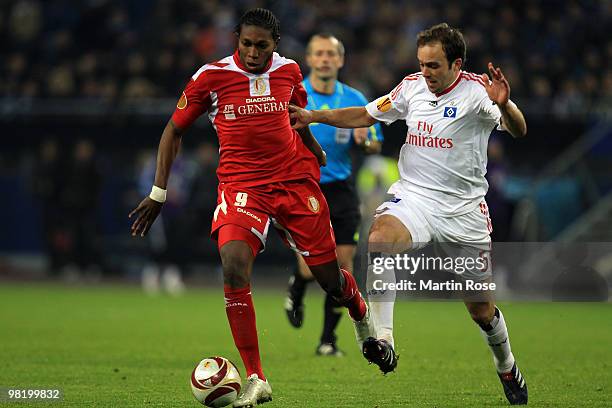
[
  {"x": 498, "y": 88},
  {"x": 147, "y": 211},
  {"x": 299, "y": 117}
]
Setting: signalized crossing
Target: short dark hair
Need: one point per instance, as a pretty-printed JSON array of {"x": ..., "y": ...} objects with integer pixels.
[
  {"x": 326, "y": 36},
  {"x": 260, "y": 17},
  {"x": 451, "y": 39}
]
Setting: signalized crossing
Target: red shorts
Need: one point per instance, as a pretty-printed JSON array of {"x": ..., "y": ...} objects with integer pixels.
[{"x": 297, "y": 209}]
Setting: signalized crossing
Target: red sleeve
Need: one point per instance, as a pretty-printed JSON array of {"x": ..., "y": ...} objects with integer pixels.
[
  {"x": 194, "y": 101},
  {"x": 299, "y": 96}
]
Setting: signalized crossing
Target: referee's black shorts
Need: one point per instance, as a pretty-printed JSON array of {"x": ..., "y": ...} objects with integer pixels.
[{"x": 343, "y": 203}]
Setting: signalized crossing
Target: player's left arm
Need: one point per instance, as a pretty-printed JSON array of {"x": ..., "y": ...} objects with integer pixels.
[
  {"x": 313, "y": 145},
  {"x": 498, "y": 90},
  {"x": 513, "y": 120},
  {"x": 299, "y": 97}
]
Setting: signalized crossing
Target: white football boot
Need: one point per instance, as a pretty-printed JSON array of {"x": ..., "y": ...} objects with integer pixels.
[
  {"x": 363, "y": 328},
  {"x": 254, "y": 392}
]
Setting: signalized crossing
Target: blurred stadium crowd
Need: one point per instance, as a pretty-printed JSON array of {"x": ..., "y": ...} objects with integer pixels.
[
  {"x": 78, "y": 176},
  {"x": 556, "y": 53}
]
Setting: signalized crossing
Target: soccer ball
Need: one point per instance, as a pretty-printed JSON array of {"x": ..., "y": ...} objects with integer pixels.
[{"x": 215, "y": 382}]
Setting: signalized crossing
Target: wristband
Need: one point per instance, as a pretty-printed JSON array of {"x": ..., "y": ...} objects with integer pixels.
[{"x": 158, "y": 194}]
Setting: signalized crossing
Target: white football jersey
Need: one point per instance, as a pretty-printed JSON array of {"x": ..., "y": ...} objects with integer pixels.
[{"x": 444, "y": 157}]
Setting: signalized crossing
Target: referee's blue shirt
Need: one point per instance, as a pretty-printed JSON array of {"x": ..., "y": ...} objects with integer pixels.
[{"x": 336, "y": 141}]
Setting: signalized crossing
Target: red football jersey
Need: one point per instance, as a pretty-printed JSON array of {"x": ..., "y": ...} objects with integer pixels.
[{"x": 250, "y": 114}]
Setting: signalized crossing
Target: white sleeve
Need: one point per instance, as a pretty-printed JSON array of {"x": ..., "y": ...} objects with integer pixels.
[
  {"x": 390, "y": 107},
  {"x": 488, "y": 111}
]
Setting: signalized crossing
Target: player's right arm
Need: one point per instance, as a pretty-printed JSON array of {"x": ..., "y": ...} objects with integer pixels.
[
  {"x": 354, "y": 117},
  {"x": 193, "y": 102},
  {"x": 148, "y": 209}
]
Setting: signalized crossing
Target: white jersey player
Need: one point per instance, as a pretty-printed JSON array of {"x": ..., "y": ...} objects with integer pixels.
[
  {"x": 450, "y": 114},
  {"x": 443, "y": 161},
  {"x": 444, "y": 157}
]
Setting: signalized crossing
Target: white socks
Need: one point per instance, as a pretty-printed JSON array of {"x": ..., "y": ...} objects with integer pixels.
[
  {"x": 381, "y": 304},
  {"x": 381, "y": 301},
  {"x": 496, "y": 336}
]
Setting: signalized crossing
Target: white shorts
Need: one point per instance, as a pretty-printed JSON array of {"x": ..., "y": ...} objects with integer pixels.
[{"x": 467, "y": 235}]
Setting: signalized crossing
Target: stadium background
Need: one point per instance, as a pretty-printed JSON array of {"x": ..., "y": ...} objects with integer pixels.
[{"x": 86, "y": 88}]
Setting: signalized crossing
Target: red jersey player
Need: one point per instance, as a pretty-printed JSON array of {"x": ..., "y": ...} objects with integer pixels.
[{"x": 268, "y": 174}]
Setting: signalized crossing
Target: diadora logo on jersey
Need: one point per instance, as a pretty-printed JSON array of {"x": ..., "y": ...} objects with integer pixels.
[
  {"x": 228, "y": 111},
  {"x": 383, "y": 104},
  {"x": 262, "y": 99},
  {"x": 259, "y": 85},
  {"x": 450, "y": 111},
  {"x": 182, "y": 103}
]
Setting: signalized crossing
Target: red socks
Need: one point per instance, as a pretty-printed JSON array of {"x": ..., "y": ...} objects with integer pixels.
[
  {"x": 241, "y": 317},
  {"x": 351, "y": 298}
]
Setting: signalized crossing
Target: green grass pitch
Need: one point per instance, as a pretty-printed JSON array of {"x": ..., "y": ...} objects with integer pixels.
[{"x": 115, "y": 347}]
